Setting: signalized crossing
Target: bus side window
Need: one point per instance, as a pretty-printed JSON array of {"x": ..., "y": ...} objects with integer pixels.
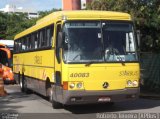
[
  {"x": 20, "y": 45},
  {"x": 16, "y": 46},
  {"x": 29, "y": 42},
  {"x": 32, "y": 41},
  {"x": 42, "y": 37},
  {"x": 36, "y": 40},
  {"x": 49, "y": 35},
  {"x": 26, "y": 43},
  {"x": 23, "y": 45},
  {"x": 39, "y": 38}
]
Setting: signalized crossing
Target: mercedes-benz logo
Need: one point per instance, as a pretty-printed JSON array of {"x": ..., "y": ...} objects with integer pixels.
[{"x": 105, "y": 85}]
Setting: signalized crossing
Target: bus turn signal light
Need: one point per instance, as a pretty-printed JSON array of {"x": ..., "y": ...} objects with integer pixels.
[{"x": 65, "y": 85}]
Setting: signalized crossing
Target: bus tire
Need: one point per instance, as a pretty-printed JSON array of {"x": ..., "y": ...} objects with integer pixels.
[
  {"x": 49, "y": 90},
  {"x": 26, "y": 90},
  {"x": 18, "y": 80},
  {"x": 50, "y": 94},
  {"x": 56, "y": 105},
  {"x": 21, "y": 83}
]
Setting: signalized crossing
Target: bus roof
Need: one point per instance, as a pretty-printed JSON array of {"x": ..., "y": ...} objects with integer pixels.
[{"x": 75, "y": 15}]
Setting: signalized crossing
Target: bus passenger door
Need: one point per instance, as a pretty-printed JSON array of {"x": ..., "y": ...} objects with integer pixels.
[{"x": 58, "y": 66}]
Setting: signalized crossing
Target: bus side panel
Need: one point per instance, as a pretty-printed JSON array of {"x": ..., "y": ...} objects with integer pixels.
[{"x": 36, "y": 67}]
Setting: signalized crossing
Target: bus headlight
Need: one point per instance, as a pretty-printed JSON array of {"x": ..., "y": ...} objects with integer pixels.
[
  {"x": 79, "y": 85},
  {"x": 72, "y": 85},
  {"x": 135, "y": 83},
  {"x": 132, "y": 83},
  {"x": 129, "y": 83},
  {"x": 76, "y": 85}
]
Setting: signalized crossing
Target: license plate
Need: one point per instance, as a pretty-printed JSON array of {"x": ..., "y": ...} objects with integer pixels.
[{"x": 104, "y": 99}]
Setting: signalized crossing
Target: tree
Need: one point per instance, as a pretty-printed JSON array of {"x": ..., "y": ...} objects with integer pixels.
[
  {"x": 11, "y": 23},
  {"x": 44, "y": 13},
  {"x": 17, "y": 23},
  {"x": 2, "y": 25}
]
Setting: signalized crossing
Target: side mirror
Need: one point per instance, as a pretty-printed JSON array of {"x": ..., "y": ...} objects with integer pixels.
[
  {"x": 60, "y": 40},
  {"x": 59, "y": 45}
]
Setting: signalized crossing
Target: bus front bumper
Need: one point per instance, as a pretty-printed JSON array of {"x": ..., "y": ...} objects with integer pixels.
[{"x": 89, "y": 97}]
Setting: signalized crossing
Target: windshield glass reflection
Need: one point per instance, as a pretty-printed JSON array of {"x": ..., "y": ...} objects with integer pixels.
[
  {"x": 82, "y": 42},
  {"x": 95, "y": 41},
  {"x": 119, "y": 42}
]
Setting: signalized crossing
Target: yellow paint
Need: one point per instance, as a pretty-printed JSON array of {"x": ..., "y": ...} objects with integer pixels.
[
  {"x": 28, "y": 62},
  {"x": 75, "y": 15},
  {"x": 100, "y": 73}
]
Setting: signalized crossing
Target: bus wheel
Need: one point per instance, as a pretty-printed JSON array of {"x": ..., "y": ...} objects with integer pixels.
[
  {"x": 50, "y": 94},
  {"x": 26, "y": 90},
  {"x": 25, "y": 86},
  {"x": 19, "y": 78},
  {"x": 56, "y": 105},
  {"x": 21, "y": 83}
]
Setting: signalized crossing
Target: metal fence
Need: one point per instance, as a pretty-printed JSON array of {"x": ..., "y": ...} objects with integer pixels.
[{"x": 150, "y": 71}]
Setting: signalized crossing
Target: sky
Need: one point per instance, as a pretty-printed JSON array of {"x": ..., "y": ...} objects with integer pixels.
[{"x": 37, "y": 5}]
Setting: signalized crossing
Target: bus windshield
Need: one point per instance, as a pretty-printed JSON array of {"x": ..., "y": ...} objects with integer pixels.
[{"x": 98, "y": 41}]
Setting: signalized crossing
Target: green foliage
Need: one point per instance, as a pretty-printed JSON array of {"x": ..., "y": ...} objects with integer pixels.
[
  {"x": 11, "y": 24},
  {"x": 2, "y": 25},
  {"x": 145, "y": 13},
  {"x": 44, "y": 13},
  {"x": 17, "y": 23}
]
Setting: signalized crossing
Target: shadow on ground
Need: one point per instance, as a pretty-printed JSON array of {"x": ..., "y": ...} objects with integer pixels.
[
  {"x": 12, "y": 102},
  {"x": 129, "y": 106}
]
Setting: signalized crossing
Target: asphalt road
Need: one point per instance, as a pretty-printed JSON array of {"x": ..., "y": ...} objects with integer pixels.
[{"x": 28, "y": 106}]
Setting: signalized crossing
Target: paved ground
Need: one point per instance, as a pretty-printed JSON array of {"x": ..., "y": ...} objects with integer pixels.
[{"x": 36, "y": 106}]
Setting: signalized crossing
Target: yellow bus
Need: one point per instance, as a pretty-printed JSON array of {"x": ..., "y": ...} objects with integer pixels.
[{"x": 79, "y": 57}]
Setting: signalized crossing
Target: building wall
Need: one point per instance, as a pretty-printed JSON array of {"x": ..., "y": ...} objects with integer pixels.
[
  {"x": 74, "y": 4},
  {"x": 67, "y": 4}
]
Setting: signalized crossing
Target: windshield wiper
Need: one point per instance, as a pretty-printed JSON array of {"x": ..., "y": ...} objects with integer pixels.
[
  {"x": 89, "y": 63},
  {"x": 76, "y": 56}
]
